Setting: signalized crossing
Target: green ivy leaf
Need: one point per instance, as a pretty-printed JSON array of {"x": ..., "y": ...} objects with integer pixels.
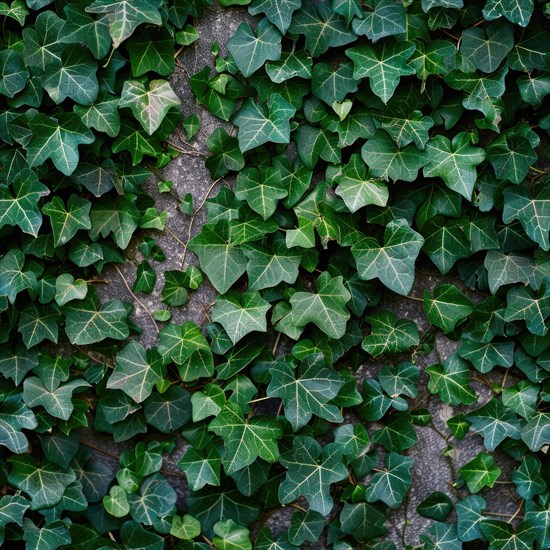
[
  {"x": 156, "y": 500},
  {"x": 383, "y": 65},
  {"x": 231, "y": 536},
  {"x": 516, "y": 11},
  {"x": 441, "y": 536},
  {"x": 102, "y": 115},
  {"x": 503, "y": 536},
  {"x": 151, "y": 52},
  {"x": 57, "y": 139},
  {"x": 67, "y": 220},
  {"x": 13, "y": 279},
  {"x": 240, "y": 314},
  {"x": 528, "y": 479},
  {"x": 311, "y": 469},
  {"x": 250, "y": 50},
  {"x": 447, "y": 307},
  {"x": 436, "y": 506},
  {"x": 389, "y": 335},
  {"x": 391, "y": 485},
  {"x": 279, "y": 12},
  {"x": 14, "y": 74},
  {"x": 536, "y": 432},
  {"x": 451, "y": 380},
  {"x": 125, "y": 16},
  {"x": 14, "y": 417},
  {"x": 470, "y": 515},
  {"x": 479, "y": 473},
  {"x": 392, "y": 263},
  {"x": 305, "y": 391},
  {"x": 385, "y": 19},
  {"x": 149, "y": 104},
  {"x": 21, "y": 208},
  {"x": 521, "y": 398},
  {"x": 245, "y": 439},
  {"x": 326, "y": 308},
  {"x": 88, "y": 321},
  {"x": 201, "y": 468}
]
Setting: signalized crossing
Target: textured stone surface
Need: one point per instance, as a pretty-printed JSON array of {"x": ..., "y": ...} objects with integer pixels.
[{"x": 433, "y": 469}]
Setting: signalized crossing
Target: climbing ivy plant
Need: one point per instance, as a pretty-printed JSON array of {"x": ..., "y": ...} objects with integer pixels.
[{"x": 378, "y": 146}]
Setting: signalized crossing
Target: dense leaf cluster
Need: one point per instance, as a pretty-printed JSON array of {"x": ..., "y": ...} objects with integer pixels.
[{"x": 371, "y": 138}]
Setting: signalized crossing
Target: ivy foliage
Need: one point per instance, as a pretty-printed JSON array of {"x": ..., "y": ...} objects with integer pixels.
[{"x": 373, "y": 140}]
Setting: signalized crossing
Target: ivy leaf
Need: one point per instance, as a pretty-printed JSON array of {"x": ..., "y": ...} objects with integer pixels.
[
  {"x": 16, "y": 363},
  {"x": 149, "y": 105},
  {"x": 314, "y": 143},
  {"x": 14, "y": 74},
  {"x": 51, "y": 536},
  {"x": 364, "y": 522},
  {"x": 503, "y": 536},
  {"x": 116, "y": 502},
  {"x": 479, "y": 473},
  {"x": 261, "y": 123},
  {"x": 245, "y": 439},
  {"x": 399, "y": 380},
  {"x": 392, "y": 263},
  {"x": 486, "y": 48},
  {"x": 383, "y": 65},
  {"x": 12, "y": 509},
  {"x": 38, "y": 323},
  {"x": 102, "y": 115},
  {"x": 447, "y": 307},
  {"x": 290, "y": 64},
  {"x": 536, "y": 516},
  {"x": 21, "y": 208},
  {"x": 470, "y": 515},
  {"x": 391, "y": 485},
  {"x": 436, "y": 506},
  {"x": 13, "y": 279},
  {"x": 82, "y": 28},
  {"x": 528, "y": 478},
  {"x": 411, "y": 129},
  {"x": 57, "y": 402},
  {"x": 240, "y": 314},
  {"x": 516, "y": 11},
  {"x": 305, "y": 527},
  {"x": 42, "y": 44},
  {"x": 222, "y": 261},
  {"x": 201, "y": 468},
  {"x": 521, "y": 398},
  {"x": 305, "y": 391},
  {"x": 186, "y": 527},
  {"x": 357, "y": 188},
  {"x": 67, "y": 220},
  {"x": 326, "y": 308},
  {"x": 231, "y": 536},
  {"x": 88, "y": 321},
  {"x": 156, "y": 500},
  {"x": 74, "y": 78},
  {"x": 45, "y": 484},
  {"x": 389, "y": 335},
  {"x": 522, "y": 303},
  {"x": 451, "y": 380},
  {"x": 332, "y": 85},
  {"x": 398, "y": 434},
  {"x": 441, "y": 536},
  {"x": 250, "y": 50},
  {"x": 186, "y": 346},
  {"x": 151, "y": 51},
  {"x": 495, "y": 422},
  {"x": 323, "y": 28},
  {"x": 385, "y": 160},
  {"x": 57, "y": 139},
  {"x": 486, "y": 357},
  {"x": 125, "y": 16},
  {"x": 503, "y": 269},
  {"x": 311, "y": 470},
  {"x": 533, "y": 212},
  {"x": 267, "y": 267},
  {"x": 279, "y": 12},
  {"x": 146, "y": 278},
  {"x": 134, "y": 374},
  {"x": 454, "y": 162},
  {"x": 15, "y": 417},
  {"x": 386, "y": 19},
  {"x": 17, "y": 11},
  {"x": 536, "y": 432}
]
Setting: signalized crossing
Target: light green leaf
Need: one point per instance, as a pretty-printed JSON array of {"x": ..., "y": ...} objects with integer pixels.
[
  {"x": 305, "y": 391},
  {"x": 311, "y": 470},
  {"x": 245, "y": 439},
  {"x": 231, "y": 536},
  {"x": 326, "y": 308},
  {"x": 393, "y": 262},
  {"x": 391, "y": 485},
  {"x": 185, "y": 527},
  {"x": 116, "y": 502},
  {"x": 479, "y": 473},
  {"x": 240, "y": 314},
  {"x": 148, "y": 103}
]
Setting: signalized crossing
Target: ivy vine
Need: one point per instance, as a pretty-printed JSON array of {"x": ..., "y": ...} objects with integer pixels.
[{"x": 374, "y": 142}]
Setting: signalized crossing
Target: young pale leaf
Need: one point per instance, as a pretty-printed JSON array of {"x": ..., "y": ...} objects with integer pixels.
[
  {"x": 186, "y": 527},
  {"x": 326, "y": 308},
  {"x": 149, "y": 105},
  {"x": 241, "y": 314},
  {"x": 305, "y": 391},
  {"x": 250, "y": 50},
  {"x": 311, "y": 470},
  {"x": 245, "y": 439},
  {"x": 392, "y": 263},
  {"x": 231, "y": 536},
  {"x": 479, "y": 473}
]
